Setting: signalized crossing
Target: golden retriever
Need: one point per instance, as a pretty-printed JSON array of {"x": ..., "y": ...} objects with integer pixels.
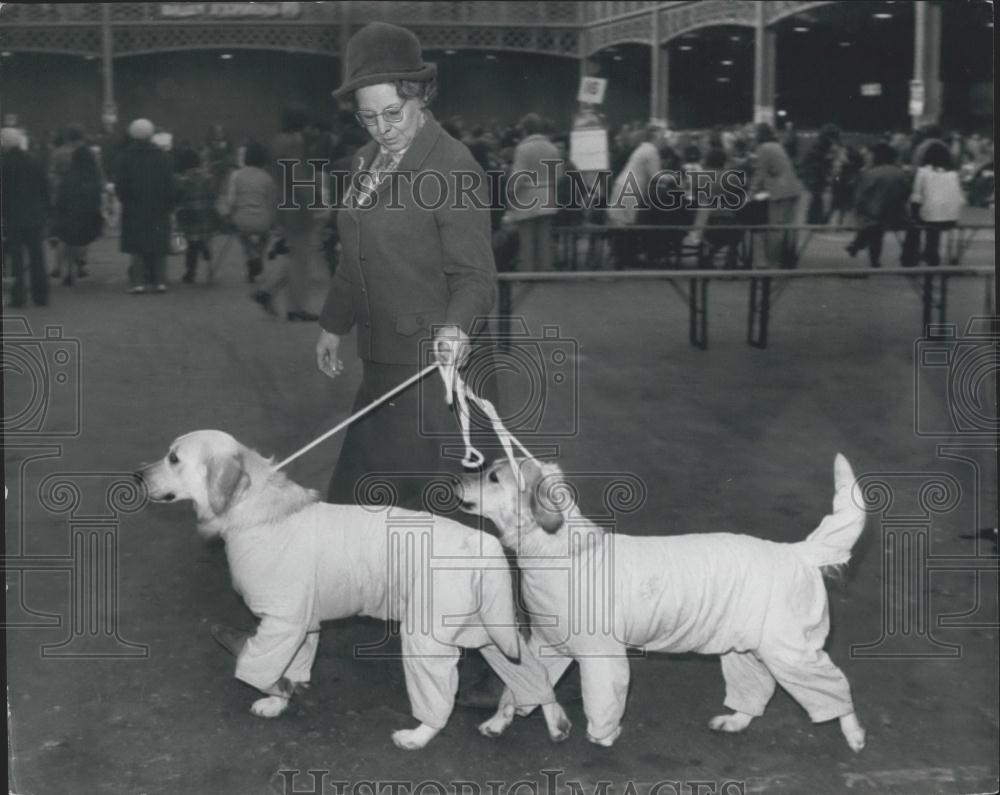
[
  {"x": 761, "y": 605},
  {"x": 297, "y": 561}
]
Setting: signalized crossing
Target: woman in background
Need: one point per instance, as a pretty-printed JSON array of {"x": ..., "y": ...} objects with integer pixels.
[
  {"x": 937, "y": 192},
  {"x": 78, "y": 220}
]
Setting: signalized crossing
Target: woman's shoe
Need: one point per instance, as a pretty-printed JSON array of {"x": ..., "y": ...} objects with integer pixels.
[
  {"x": 308, "y": 317},
  {"x": 161, "y": 288},
  {"x": 137, "y": 289},
  {"x": 266, "y": 301}
]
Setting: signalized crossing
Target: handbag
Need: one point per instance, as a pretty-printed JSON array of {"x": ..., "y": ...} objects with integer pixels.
[{"x": 178, "y": 242}]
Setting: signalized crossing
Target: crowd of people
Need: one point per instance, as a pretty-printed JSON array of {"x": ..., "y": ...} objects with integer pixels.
[{"x": 164, "y": 197}]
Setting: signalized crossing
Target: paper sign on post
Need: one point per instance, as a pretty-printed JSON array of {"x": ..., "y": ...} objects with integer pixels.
[
  {"x": 588, "y": 149},
  {"x": 592, "y": 90}
]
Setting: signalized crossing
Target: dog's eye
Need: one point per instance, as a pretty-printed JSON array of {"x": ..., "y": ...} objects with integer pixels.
[
  {"x": 172, "y": 458},
  {"x": 494, "y": 478}
]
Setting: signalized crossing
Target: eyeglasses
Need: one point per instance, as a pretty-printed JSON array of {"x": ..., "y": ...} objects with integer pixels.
[{"x": 392, "y": 115}]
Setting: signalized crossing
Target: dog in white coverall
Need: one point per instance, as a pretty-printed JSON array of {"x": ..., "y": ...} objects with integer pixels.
[
  {"x": 297, "y": 562},
  {"x": 759, "y": 604}
]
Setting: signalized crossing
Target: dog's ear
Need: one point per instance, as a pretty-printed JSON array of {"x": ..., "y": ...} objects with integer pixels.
[
  {"x": 544, "y": 486},
  {"x": 226, "y": 478}
]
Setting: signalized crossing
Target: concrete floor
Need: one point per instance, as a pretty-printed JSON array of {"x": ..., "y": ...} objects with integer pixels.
[{"x": 143, "y": 701}]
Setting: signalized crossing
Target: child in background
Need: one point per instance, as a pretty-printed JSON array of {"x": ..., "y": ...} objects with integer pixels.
[{"x": 195, "y": 210}]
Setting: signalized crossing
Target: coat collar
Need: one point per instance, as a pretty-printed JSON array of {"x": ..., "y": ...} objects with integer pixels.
[
  {"x": 413, "y": 158},
  {"x": 415, "y": 155}
]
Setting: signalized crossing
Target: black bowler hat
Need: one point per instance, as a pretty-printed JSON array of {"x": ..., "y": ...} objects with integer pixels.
[{"x": 382, "y": 53}]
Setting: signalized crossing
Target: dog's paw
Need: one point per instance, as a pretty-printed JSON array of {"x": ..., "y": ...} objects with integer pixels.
[
  {"x": 498, "y": 724},
  {"x": 557, "y": 722},
  {"x": 608, "y": 741},
  {"x": 853, "y": 732},
  {"x": 736, "y": 722},
  {"x": 270, "y": 707},
  {"x": 413, "y": 739}
]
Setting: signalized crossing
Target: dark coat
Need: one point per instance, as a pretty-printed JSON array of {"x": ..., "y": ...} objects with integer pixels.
[
  {"x": 406, "y": 268},
  {"x": 78, "y": 220},
  {"x": 146, "y": 188},
  {"x": 882, "y": 196},
  {"x": 25, "y": 186}
]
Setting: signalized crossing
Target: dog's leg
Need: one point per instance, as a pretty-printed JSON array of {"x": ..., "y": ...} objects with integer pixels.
[
  {"x": 414, "y": 739},
  {"x": 604, "y": 681},
  {"x": 529, "y": 683},
  {"x": 853, "y": 732},
  {"x": 556, "y": 721},
  {"x": 269, "y": 707},
  {"x": 749, "y": 686},
  {"x": 735, "y": 722},
  {"x": 276, "y": 701},
  {"x": 498, "y": 724}
]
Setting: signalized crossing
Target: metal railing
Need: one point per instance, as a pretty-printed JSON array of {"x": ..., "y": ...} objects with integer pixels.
[{"x": 764, "y": 284}]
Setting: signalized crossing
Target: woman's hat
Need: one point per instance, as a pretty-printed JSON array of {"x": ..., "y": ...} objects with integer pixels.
[{"x": 382, "y": 53}]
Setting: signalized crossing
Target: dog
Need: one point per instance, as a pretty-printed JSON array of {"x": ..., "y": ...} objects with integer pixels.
[
  {"x": 759, "y": 604},
  {"x": 297, "y": 561}
]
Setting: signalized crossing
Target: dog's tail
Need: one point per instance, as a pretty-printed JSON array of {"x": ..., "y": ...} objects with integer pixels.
[
  {"x": 496, "y": 604},
  {"x": 830, "y": 544}
]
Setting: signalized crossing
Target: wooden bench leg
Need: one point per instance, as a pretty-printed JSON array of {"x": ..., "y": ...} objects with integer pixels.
[
  {"x": 698, "y": 312},
  {"x": 759, "y": 313}
]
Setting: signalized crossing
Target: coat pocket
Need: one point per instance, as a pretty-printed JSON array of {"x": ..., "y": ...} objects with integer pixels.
[{"x": 414, "y": 322}]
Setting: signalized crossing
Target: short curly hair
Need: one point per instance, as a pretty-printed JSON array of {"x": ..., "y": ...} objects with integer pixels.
[{"x": 425, "y": 90}]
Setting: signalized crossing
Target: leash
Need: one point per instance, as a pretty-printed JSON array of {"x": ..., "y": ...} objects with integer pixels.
[{"x": 456, "y": 392}]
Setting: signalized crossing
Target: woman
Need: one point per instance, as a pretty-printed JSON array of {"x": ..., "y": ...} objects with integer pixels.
[
  {"x": 78, "y": 219},
  {"x": 937, "y": 192},
  {"x": 774, "y": 179},
  {"x": 408, "y": 268},
  {"x": 415, "y": 267},
  {"x": 250, "y": 202}
]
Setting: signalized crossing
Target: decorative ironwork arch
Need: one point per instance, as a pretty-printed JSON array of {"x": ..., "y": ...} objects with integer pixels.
[
  {"x": 146, "y": 40},
  {"x": 77, "y": 40},
  {"x": 778, "y": 10}
]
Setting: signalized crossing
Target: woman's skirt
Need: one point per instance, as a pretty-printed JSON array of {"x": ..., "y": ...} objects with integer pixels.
[{"x": 407, "y": 451}]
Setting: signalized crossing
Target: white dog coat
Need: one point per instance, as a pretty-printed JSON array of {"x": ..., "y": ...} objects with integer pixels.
[
  {"x": 447, "y": 585},
  {"x": 761, "y": 605}
]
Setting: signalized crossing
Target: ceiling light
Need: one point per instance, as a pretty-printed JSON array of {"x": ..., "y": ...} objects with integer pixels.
[
  {"x": 722, "y": 80},
  {"x": 449, "y": 52},
  {"x": 686, "y": 47},
  {"x": 616, "y": 58},
  {"x": 882, "y": 15},
  {"x": 734, "y": 38},
  {"x": 6, "y": 54},
  {"x": 226, "y": 56},
  {"x": 727, "y": 63},
  {"x": 845, "y": 44},
  {"x": 800, "y": 29},
  {"x": 490, "y": 56},
  {"x": 782, "y": 113}
]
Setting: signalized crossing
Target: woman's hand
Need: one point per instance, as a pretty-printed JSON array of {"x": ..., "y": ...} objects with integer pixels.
[
  {"x": 451, "y": 345},
  {"x": 326, "y": 354}
]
